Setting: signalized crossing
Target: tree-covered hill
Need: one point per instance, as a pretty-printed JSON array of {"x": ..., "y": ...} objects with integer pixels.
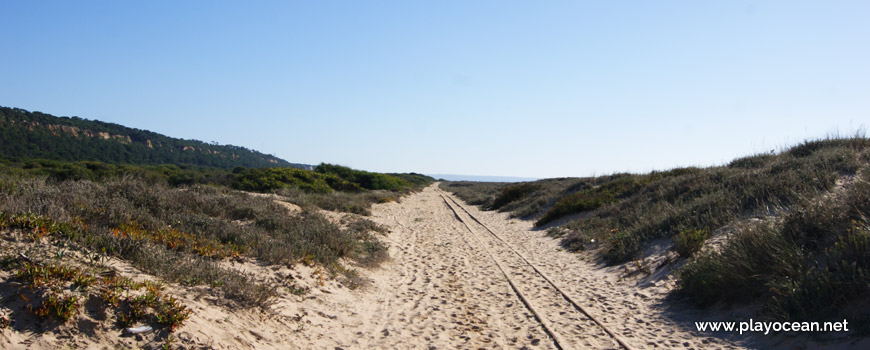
[{"x": 30, "y": 135}]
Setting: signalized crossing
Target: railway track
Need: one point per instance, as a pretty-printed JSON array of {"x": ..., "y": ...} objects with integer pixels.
[{"x": 568, "y": 324}]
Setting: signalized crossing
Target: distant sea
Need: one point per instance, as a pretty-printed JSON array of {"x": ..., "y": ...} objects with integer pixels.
[{"x": 454, "y": 177}]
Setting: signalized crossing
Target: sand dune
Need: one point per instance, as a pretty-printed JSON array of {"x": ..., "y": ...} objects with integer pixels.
[{"x": 458, "y": 278}]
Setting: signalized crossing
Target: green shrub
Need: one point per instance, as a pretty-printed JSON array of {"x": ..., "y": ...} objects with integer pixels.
[
  {"x": 324, "y": 179},
  {"x": 365, "y": 179},
  {"x": 417, "y": 180},
  {"x": 172, "y": 175},
  {"x": 752, "y": 162},
  {"x": 812, "y": 266},
  {"x": 513, "y": 193},
  {"x": 622, "y": 246},
  {"x": 270, "y": 179},
  {"x": 609, "y": 190},
  {"x": 754, "y": 257},
  {"x": 688, "y": 242},
  {"x": 575, "y": 203}
]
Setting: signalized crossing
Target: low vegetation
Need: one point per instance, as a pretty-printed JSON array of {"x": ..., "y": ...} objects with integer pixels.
[
  {"x": 272, "y": 179},
  {"x": 57, "y": 291},
  {"x": 347, "y": 202},
  {"x": 812, "y": 264},
  {"x": 373, "y": 181},
  {"x": 178, "y": 223},
  {"x": 689, "y": 242},
  {"x": 324, "y": 189},
  {"x": 475, "y": 193},
  {"x": 119, "y": 216},
  {"x": 325, "y": 178},
  {"x": 172, "y": 175},
  {"x": 800, "y": 245},
  {"x": 330, "y": 187},
  {"x": 514, "y": 193}
]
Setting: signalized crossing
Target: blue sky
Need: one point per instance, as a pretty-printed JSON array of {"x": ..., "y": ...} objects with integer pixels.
[{"x": 514, "y": 88}]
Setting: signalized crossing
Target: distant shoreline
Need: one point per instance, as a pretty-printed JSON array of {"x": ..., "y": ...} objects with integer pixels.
[{"x": 480, "y": 178}]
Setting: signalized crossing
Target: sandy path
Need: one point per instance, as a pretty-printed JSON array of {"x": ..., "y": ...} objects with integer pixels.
[
  {"x": 444, "y": 288},
  {"x": 570, "y": 327},
  {"x": 633, "y": 313},
  {"x": 439, "y": 291}
]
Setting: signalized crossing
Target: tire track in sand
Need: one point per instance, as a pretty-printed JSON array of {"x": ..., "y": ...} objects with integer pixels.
[
  {"x": 570, "y": 326},
  {"x": 441, "y": 291}
]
